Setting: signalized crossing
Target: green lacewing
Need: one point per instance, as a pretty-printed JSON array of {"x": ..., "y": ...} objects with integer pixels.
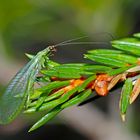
[
  {"x": 17, "y": 92},
  {"x": 15, "y": 96}
]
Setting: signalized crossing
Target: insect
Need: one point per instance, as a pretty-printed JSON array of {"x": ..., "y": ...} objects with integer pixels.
[
  {"x": 65, "y": 85},
  {"x": 17, "y": 93}
]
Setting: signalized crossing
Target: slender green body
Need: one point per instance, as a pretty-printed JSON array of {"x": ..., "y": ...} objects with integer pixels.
[{"x": 15, "y": 96}]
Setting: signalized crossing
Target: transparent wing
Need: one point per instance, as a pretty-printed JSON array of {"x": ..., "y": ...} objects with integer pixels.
[{"x": 12, "y": 101}]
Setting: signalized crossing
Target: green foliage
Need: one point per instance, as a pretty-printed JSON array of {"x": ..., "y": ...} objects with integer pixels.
[
  {"x": 106, "y": 60},
  {"x": 64, "y": 85},
  {"x": 131, "y": 45},
  {"x": 125, "y": 97}
]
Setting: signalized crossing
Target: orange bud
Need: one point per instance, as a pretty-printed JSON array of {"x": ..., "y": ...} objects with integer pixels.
[{"x": 101, "y": 88}]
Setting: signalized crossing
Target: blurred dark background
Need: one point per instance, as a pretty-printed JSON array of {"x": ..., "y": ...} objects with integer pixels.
[{"x": 28, "y": 26}]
